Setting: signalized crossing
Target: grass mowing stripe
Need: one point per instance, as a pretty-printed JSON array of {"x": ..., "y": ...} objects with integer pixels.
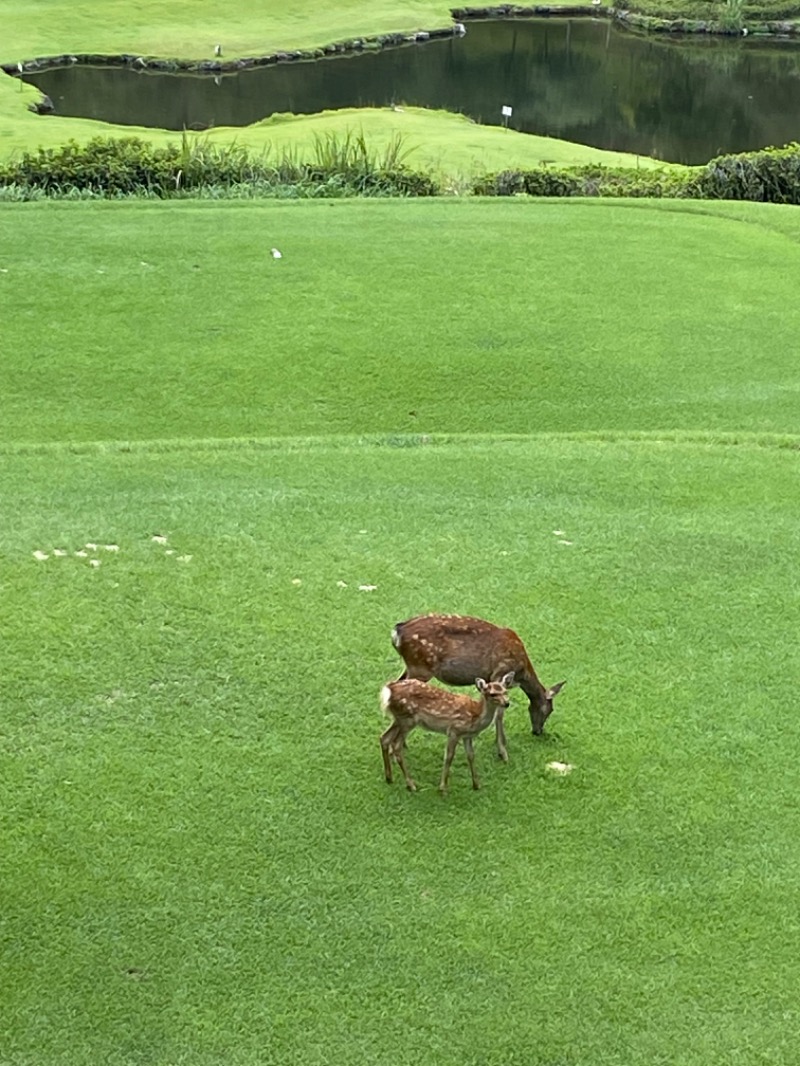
[
  {"x": 202, "y": 862},
  {"x": 781, "y": 441}
]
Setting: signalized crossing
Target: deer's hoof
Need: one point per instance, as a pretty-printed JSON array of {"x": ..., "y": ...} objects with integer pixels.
[
  {"x": 411, "y": 786},
  {"x": 503, "y": 756}
]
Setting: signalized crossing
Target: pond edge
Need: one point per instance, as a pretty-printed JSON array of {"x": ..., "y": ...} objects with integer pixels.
[{"x": 357, "y": 45}]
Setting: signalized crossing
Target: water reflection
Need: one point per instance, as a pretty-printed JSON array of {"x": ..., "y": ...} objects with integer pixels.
[{"x": 583, "y": 80}]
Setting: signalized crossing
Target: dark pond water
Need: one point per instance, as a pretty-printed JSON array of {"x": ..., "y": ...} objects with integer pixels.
[{"x": 579, "y": 79}]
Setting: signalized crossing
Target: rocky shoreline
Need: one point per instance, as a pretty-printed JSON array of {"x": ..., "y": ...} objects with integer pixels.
[{"x": 354, "y": 45}]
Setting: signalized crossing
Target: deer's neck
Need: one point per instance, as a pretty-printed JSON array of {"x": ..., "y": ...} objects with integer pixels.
[{"x": 486, "y": 712}]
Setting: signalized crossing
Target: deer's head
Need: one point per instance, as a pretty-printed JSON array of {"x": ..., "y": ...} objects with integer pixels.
[
  {"x": 495, "y": 691},
  {"x": 542, "y": 710}
]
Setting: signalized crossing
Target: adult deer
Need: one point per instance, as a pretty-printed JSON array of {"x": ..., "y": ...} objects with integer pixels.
[
  {"x": 413, "y": 703},
  {"x": 456, "y": 649}
]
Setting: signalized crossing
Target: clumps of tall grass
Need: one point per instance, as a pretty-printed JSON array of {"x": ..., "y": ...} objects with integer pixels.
[
  {"x": 351, "y": 154},
  {"x": 114, "y": 167},
  {"x": 731, "y": 16}
]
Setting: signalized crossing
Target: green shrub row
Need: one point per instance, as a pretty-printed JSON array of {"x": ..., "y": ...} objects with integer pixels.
[
  {"x": 344, "y": 166},
  {"x": 592, "y": 180},
  {"x": 769, "y": 176},
  {"x": 131, "y": 166}
]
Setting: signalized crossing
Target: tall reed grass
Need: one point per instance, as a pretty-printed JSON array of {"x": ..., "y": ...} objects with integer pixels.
[{"x": 340, "y": 165}]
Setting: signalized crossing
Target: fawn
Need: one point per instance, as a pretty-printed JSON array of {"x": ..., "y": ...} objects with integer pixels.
[
  {"x": 456, "y": 649},
  {"x": 412, "y": 703}
]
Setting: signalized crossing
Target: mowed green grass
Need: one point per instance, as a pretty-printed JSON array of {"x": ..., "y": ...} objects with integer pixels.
[
  {"x": 142, "y": 321},
  {"x": 202, "y": 863}
]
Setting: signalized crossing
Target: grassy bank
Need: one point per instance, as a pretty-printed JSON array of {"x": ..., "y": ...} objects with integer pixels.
[
  {"x": 452, "y": 146},
  {"x": 177, "y": 30}
]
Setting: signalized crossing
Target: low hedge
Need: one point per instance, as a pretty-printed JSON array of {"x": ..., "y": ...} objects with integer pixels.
[
  {"x": 583, "y": 181},
  {"x": 768, "y": 176},
  {"x": 771, "y": 176}
]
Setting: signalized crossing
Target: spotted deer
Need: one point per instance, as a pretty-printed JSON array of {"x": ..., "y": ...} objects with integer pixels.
[
  {"x": 456, "y": 649},
  {"x": 413, "y": 703}
]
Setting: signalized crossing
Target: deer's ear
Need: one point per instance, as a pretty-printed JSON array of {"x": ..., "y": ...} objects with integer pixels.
[
  {"x": 554, "y": 691},
  {"x": 480, "y": 684},
  {"x": 508, "y": 680}
]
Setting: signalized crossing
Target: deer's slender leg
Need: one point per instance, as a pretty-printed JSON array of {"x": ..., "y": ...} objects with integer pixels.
[
  {"x": 499, "y": 720},
  {"x": 397, "y": 751},
  {"x": 500, "y": 734},
  {"x": 388, "y": 739},
  {"x": 471, "y": 760},
  {"x": 450, "y": 750}
]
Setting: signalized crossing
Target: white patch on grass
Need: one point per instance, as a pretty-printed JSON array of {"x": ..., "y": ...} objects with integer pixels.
[
  {"x": 169, "y": 551},
  {"x": 91, "y": 546},
  {"x": 40, "y": 556},
  {"x": 276, "y": 254},
  {"x": 111, "y": 547},
  {"x": 81, "y": 554},
  {"x": 296, "y": 581},
  {"x": 94, "y": 562},
  {"x": 558, "y": 532},
  {"x": 568, "y": 542},
  {"x": 184, "y": 559},
  {"x": 157, "y": 539},
  {"x": 367, "y": 588},
  {"x": 560, "y": 767},
  {"x": 59, "y": 552},
  {"x": 341, "y": 584}
]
